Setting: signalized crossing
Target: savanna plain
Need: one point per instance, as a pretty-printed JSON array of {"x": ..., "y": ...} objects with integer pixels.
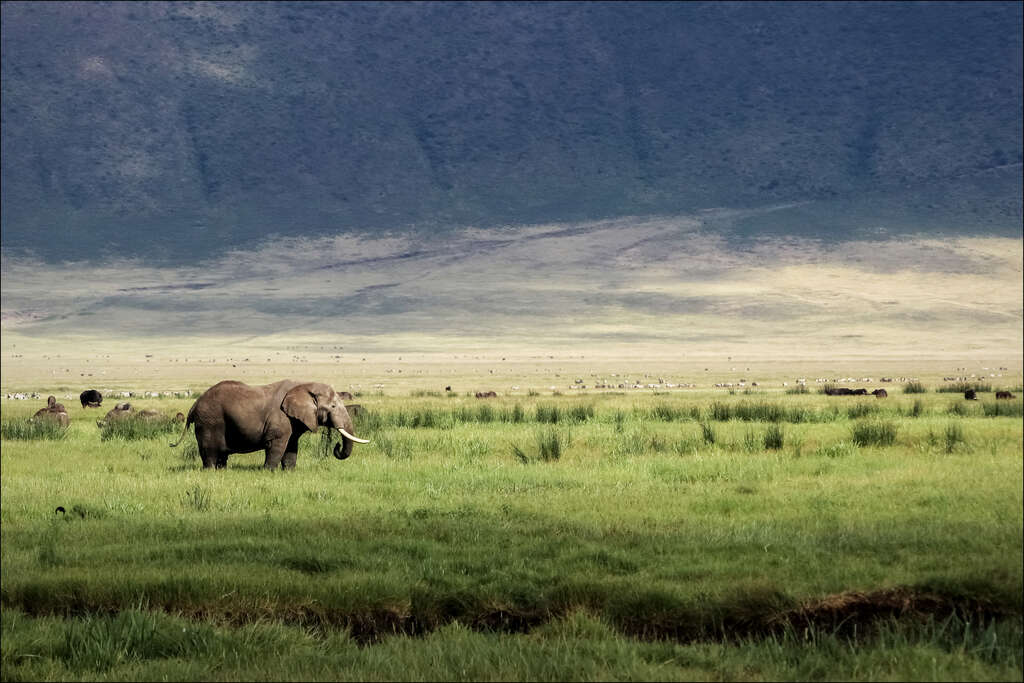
[{"x": 568, "y": 529}]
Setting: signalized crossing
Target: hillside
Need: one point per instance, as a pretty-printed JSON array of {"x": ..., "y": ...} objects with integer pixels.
[{"x": 178, "y": 130}]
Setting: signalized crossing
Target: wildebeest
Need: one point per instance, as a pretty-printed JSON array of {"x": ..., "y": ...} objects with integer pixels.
[
  {"x": 90, "y": 398},
  {"x": 486, "y": 394},
  {"x": 1004, "y": 394},
  {"x": 970, "y": 395},
  {"x": 880, "y": 393}
]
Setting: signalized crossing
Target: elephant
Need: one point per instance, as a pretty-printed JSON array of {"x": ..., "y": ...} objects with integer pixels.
[
  {"x": 91, "y": 398},
  {"x": 234, "y": 417},
  {"x": 53, "y": 411}
]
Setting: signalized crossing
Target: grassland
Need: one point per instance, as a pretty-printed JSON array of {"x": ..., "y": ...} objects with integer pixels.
[{"x": 699, "y": 534}]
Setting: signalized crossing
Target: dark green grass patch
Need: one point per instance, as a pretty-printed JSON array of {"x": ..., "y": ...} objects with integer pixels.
[
  {"x": 961, "y": 387},
  {"x": 134, "y": 428},
  {"x": 874, "y": 433},
  {"x": 915, "y": 388},
  {"x": 140, "y": 644},
  {"x": 774, "y": 437},
  {"x": 1003, "y": 409},
  {"x": 23, "y": 430}
]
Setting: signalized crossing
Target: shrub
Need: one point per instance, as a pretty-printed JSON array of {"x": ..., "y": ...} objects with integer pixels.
[
  {"x": 874, "y": 433},
  {"x": 914, "y": 388}
]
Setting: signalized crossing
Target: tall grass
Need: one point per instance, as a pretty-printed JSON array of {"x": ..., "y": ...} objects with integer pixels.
[
  {"x": 134, "y": 428},
  {"x": 1003, "y": 409},
  {"x": 916, "y": 410},
  {"x": 774, "y": 437},
  {"x": 954, "y": 437},
  {"x": 961, "y": 387},
  {"x": 23, "y": 430},
  {"x": 550, "y": 443},
  {"x": 876, "y": 433},
  {"x": 914, "y": 387}
]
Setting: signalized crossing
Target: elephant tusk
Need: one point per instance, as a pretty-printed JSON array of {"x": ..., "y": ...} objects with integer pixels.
[{"x": 353, "y": 438}]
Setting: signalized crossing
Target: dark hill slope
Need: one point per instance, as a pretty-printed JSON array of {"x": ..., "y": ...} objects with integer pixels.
[{"x": 162, "y": 128}]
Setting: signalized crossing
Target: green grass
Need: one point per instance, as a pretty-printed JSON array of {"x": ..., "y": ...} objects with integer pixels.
[
  {"x": 961, "y": 387},
  {"x": 635, "y": 543},
  {"x": 874, "y": 433},
  {"x": 133, "y": 428},
  {"x": 915, "y": 388},
  {"x": 23, "y": 430}
]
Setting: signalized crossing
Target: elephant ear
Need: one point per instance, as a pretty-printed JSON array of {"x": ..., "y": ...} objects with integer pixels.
[{"x": 301, "y": 403}]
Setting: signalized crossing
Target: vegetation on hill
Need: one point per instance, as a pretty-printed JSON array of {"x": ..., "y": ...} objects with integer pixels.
[{"x": 163, "y": 128}]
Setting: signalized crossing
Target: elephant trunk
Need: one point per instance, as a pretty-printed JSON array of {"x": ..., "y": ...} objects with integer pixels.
[{"x": 341, "y": 452}]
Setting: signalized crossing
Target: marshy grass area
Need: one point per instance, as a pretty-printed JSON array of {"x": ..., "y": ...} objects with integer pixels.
[{"x": 690, "y": 535}]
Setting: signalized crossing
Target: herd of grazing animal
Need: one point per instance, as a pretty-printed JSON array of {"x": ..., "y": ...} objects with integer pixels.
[
  {"x": 232, "y": 417},
  {"x": 91, "y": 398}
]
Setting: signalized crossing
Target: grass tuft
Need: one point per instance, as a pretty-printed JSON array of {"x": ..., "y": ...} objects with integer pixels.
[
  {"x": 23, "y": 430},
  {"x": 876, "y": 433},
  {"x": 134, "y": 428},
  {"x": 915, "y": 387}
]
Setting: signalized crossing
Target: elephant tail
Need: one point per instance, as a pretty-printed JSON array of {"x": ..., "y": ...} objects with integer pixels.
[{"x": 188, "y": 421}]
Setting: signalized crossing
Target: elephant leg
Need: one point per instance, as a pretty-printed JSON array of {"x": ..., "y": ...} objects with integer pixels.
[
  {"x": 213, "y": 457},
  {"x": 212, "y": 448},
  {"x": 290, "y": 454},
  {"x": 275, "y": 452}
]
